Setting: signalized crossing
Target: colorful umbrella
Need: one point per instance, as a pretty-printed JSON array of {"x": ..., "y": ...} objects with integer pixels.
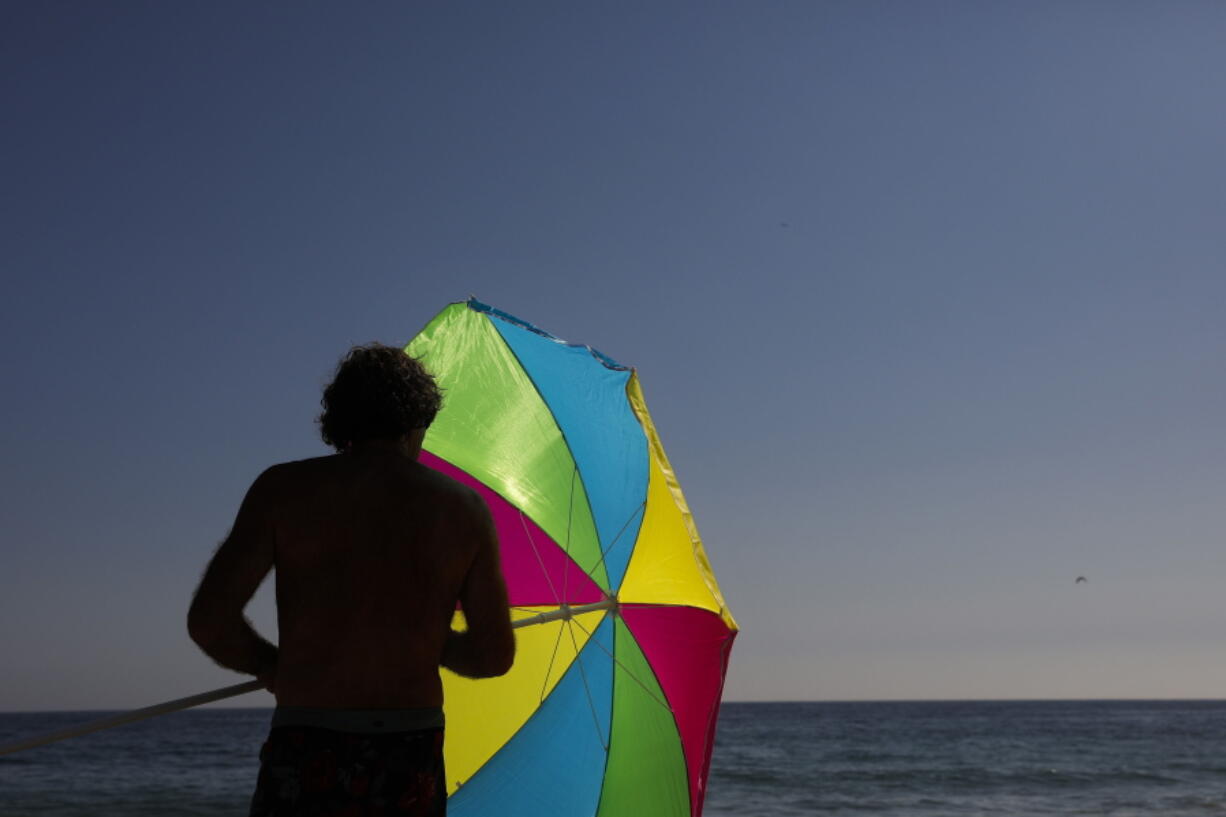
[{"x": 622, "y": 634}]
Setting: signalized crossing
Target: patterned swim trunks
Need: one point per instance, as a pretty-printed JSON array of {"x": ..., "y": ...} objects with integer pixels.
[{"x": 306, "y": 771}]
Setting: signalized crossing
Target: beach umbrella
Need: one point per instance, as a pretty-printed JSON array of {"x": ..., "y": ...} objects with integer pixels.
[{"x": 622, "y": 634}]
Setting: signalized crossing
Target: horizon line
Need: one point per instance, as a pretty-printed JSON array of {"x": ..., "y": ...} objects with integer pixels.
[{"x": 742, "y": 702}]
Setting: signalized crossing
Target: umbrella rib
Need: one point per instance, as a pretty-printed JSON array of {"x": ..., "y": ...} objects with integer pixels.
[
  {"x": 523, "y": 520},
  {"x": 570, "y": 513},
  {"x": 549, "y": 669},
  {"x": 626, "y": 669},
  {"x": 586, "y": 690},
  {"x": 616, "y": 538}
]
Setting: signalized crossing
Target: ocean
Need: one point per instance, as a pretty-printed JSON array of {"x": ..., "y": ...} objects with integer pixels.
[{"x": 771, "y": 760}]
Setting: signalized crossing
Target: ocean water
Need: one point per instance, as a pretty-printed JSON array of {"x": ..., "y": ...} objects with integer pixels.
[
  {"x": 983, "y": 758},
  {"x": 771, "y": 760}
]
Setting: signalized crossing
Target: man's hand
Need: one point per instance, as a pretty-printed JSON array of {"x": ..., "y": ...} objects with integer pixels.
[{"x": 268, "y": 677}]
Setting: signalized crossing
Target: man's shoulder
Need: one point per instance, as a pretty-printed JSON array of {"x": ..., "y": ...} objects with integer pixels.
[
  {"x": 307, "y": 464},
  {"x": 292, "y": 468},
  {"x": 447, "y": 485},
  {"x": 334, "y": 466},
  {"x": 283, "y": 475}
]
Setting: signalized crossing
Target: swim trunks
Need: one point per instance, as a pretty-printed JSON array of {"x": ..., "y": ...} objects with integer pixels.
[{"x": 352, "y": 762}]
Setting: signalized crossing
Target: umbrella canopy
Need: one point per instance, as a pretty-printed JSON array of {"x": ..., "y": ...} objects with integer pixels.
[{"x": 610, "y": 708}]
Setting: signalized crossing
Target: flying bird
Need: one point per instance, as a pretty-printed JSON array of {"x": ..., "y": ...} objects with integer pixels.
[{"x": 1080, "y": 580}]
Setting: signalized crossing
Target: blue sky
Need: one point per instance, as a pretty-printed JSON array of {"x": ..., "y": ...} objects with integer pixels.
[{"x": 926, "y": 299}]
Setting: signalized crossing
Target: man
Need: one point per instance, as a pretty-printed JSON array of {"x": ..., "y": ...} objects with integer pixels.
[{"x": 372, "y": 553}]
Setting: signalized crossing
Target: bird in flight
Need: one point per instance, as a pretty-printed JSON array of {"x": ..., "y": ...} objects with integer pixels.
[{"x": 1081, "y": 580}]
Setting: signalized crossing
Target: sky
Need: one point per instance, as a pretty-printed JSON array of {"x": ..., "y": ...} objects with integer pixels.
[{"x": 926, "y": 299}]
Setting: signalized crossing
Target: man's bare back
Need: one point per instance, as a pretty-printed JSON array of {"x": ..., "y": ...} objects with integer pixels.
[{"x": 372, "y": 551}]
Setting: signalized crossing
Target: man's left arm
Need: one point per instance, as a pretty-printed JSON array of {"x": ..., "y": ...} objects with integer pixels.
[{"x": 216, "y": 621}]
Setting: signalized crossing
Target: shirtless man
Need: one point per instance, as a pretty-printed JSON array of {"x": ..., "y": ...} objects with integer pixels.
[{"x": 372, "y": 552}]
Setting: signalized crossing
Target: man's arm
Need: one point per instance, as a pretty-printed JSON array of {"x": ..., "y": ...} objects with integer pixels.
[
  {"x": 487, "y": 647},
  {"x": 216, "y": 621}
]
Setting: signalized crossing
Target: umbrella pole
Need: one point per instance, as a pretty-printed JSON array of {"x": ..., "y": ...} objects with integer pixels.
[
  {"x": 564, "y": 613},
  {"x": 134, "y": 715}
]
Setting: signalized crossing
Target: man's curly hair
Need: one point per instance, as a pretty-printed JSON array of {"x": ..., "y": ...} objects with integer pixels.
[{"x": 379, "y": 392}]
